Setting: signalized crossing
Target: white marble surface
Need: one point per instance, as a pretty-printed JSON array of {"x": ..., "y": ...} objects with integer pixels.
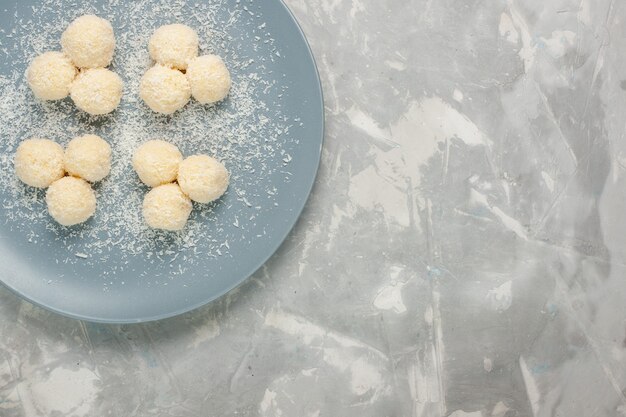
[{"x": 463, "y": 253}]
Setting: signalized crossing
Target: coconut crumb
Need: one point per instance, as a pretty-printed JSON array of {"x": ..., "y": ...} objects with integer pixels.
[{"x": 247, "y": 132}]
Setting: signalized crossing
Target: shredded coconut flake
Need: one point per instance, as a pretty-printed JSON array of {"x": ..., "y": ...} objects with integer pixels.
[{"x": 248, "y": 133}]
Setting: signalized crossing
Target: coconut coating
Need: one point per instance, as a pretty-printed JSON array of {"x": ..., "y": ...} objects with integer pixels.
[
  {"x": 156, "y": 162},
  {"x": 174, "y": 45},
  {"x": 166, "y": 207},
  {"x": 88, "y": 157},
  {"x": 164, "y": 90},
  {"x": 203, "y": 178},
  {"x": 97, "y": 91},
  {"x": 50, "y": 76},
  {"x": 209, "y": 79},
  {"x": 89, "y": 42},
  {"x": 70, "y": 201},
  {"x": 39, "y": 162}
]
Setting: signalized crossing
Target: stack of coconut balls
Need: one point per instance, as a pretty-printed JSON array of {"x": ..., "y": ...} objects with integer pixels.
[
  {"x": 180, "y": 73},
  {"x": 79, "y": 71},
  {"x": 160, "y": 165},
  {"x": 42, "y": 163}
]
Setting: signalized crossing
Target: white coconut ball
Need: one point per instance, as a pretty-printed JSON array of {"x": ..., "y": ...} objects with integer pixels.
[
  {"x": 97, "y": 91},
  {"x": 203, "y": 178},
  {"x": 88, "y": 157},
  {"x": 164, "y": 90},
  {"x": 70, "y": 201},
  {"x": 174, "y": 45},
  {"x": 209, "y": 78},
  {"x": 156, "y": 162},
  {"x": 166, "y": 207},
  {"x": 89, "y": 42},
  {"x": 50, "y": 76},
  {"x": 39, "y": 162}
]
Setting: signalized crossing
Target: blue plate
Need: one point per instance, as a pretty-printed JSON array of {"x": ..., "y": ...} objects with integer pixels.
[{"x": 112, "y": 268}]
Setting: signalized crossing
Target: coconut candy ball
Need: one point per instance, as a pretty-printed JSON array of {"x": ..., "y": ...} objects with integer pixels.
[
  {"x": 70, "y": 201},
  {"x": 174, "y": 45},
  {"x": 50, "y": 76},
  {"x": 166, "y": 207},
  {"x": 203, "y": 178},
  {"x": 97, "y": 91},
  {"x": 39, "y": 162},
  {"x": 164, "y": 90},
  {"x": 156, "y": 162},
  {"x": 209, "y": 79},
  {"x": 88, "y": 157},
  {"x": 89, "y": 42}
]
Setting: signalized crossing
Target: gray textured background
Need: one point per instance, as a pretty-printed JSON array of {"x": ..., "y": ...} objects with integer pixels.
[{"x": 463, "y": 253}]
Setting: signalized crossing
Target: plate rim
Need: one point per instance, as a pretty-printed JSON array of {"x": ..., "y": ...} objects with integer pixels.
[{"x": 298, "y": 209}]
